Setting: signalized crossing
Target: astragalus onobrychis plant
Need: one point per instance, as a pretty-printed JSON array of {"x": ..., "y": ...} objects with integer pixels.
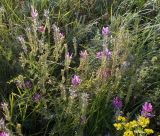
[{"x": 80, "y": 76}]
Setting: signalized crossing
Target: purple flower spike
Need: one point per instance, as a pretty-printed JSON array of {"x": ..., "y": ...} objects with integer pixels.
[
  {"x": 68, "y": 56},
  {"x": 105, "y": 31},
  {"x": 147, "y": 107},
  {"x": 19, "y": 85},
  {"x": 2, "y": 133},
  {"x": 36, "y": 97},
  {"x": 146, "y": 114},
  {"x": 117, "y": 103},
  {"x": 34, "y": 13},
  {"x": 83, "y": 54},
  {"x": 41, "y": 29},
  {"x": 75, "y": 80},
  {"x": 147, "y": 110},
  {"x": 99, "y": 55},
  {"x": 61, "y": 35},
  {"x": 107, "y": 53},
  {"x": 28, "y": 84}
]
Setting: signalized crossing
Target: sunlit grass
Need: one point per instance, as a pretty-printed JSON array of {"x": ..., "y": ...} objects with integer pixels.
[{"x": 37, "y": 65}]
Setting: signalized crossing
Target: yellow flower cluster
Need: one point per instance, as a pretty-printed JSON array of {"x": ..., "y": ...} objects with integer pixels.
[
  {"x": 142, "y": 121},
  {"x": 148, "y": 131},
  {"x": 130, "y": 128},
  {"x": 120, "y": 118},
  {"x": 118, "y": 126},
  {"x": 128, "y": 133},
  {"x": 133, "y": 123},
  {"x": 130, "y": 125}
]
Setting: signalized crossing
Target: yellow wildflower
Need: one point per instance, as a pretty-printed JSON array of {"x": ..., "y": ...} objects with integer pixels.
[
  {"x": 127, "y": 126},
  {"x": 133, "y": 123},
  {"x": 120, "y": 118},
  {"x": 148, "y": 131},
  {"x": 128, "y": 133},
  {"x": 142, "y": 121},
  {"x": 130, "y": 125},
  {"x": 118, "y": 126}
]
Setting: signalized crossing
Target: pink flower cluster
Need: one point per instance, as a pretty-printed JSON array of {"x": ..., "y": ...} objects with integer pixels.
[
  {"x": 34, "y": 13},
  {"x": 83, "y": 54},
  {"x": 2, "y": 133},
  {"x": 117, "y": 102},
  {"x": 75, "y": 80},
  {"x": 105, "y": 31},
  {"x": 41, "y": 29},
  {"x": 105, "y": 53},
  {"x": 147, "y": 110}
]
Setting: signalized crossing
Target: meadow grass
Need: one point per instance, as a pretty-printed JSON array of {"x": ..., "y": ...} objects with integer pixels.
[{"x": 42, "y": 47}]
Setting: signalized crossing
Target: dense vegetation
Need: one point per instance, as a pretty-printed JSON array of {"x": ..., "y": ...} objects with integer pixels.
[{"x": 79, "y": 67}]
